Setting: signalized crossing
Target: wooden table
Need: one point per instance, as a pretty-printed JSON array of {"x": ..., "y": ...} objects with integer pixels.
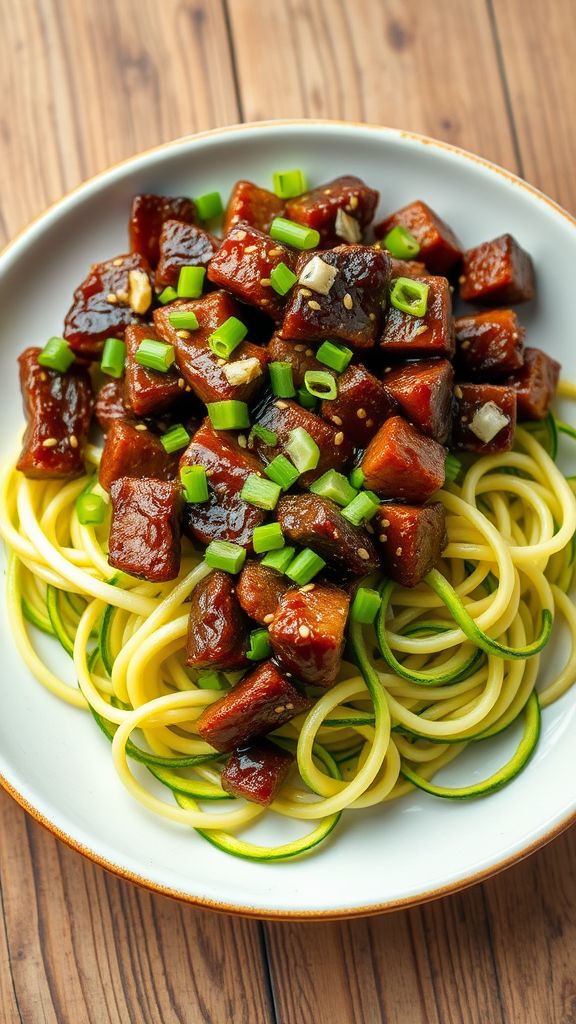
[{"x": 84, "y": 84}]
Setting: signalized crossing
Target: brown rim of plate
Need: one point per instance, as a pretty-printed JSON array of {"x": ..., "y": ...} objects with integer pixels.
[{"x": 247, "y": 911}]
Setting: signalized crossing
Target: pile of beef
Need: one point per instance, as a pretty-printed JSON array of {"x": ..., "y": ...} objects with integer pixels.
[{"x": 414, "y": 386}]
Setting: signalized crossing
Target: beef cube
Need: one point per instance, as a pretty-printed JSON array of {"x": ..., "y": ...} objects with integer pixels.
[
  {"x": 148, "y": 215},
  {"x": 58, "y": 409},
  {"x": 243, "y": 265},
  {"x": 253, "y": 205},
  {"x": 147, "y": 391},
  {"x": 130, "y": 450},
  {"x": 199, "y": 366},
  {"x": 411, "y": 539},
  {"x": 307, "y": 633},
  {"x": 282, "y": 416},
  {"x": 259, "y": 590},
  {"x": 225, "y": 516},
  {"x": 361, "y": 406},
  {"x": 182, "y": 245},
  {"x": 497, "y": 273},
  {"x": 401, "y": 463},
  {"x": 110, "y": 404},
  {"x": 352, "y": 310},
  {"x": 256, "y": 772},
  {"x": 489, "y": 344},
  {"x": 114, "y": 294},
  {"x": 411, "y": 336},
  {"x": 319, "y": 208},
  {"x": 217, "y": 627},
  {"x": 262, "y": 701},
  {"x": 439, "y": 247},
  {"x": 145, "y": 529},
  {"x": 485, "y": 419},
  {"x": 318, "y": 523},
  {"x": 301, "y": 357},
  {"x": 535, "y": 384},
  {"x": 424, "y": 392}
]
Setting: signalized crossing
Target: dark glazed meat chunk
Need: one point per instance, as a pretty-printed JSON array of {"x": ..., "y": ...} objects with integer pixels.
[
  {"x": 147, "y": 391},
  {"x": 319, "y": 208},
  {"x": 535, "y": 384},
  {"x": 147, "y": 218},
  {"x": 261, "y": 702},
  {"x": 352, "y": 310},
  {"x": 485, "y": 419},
  {"x": 401, "y": 463},
  {"x": 256, "y": 206},
  {"x": 182, "y": 245},
  {"x": 282, "y": 416},
  {"x": 134, "y": 452},
  {"x": 114, "y": 294},
  {"x": 259, "y": 590},
  {"x": 145, "y": 530},
  {"x": 58, "y": 409},
  {"x": 256, "y": 772},
  {"x": 243, "y": 265},
  {"x": 489, "y": 344},
  {"x": 110, "y": 404},
  {"x": 300, "y": 356},
  {"x": 317, "y": 523},
  {"x": 424, "y": 393},
  {"x": 411, "y": 336},
  {"x": 497, "y": 273},
  {"x": 360, "y": 407},
  {"x": 411, "y": 539},
  {"x": 307, "y": 633},
  {"x": 439, "y": 247},
  {"x": 217, "y": 626}
]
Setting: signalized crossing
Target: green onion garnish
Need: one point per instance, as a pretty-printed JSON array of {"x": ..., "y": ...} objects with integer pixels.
[
  {"x": 282, "y": 472},
  {"x": 357, "y": 477},
  {"x": 401, "y": 244},
  {"x": 364, "y": 506},
  {"x": 262, "y": 493},
  {"x": 210, "y": 679},
  {"x": 175, "y": 439},
  {"x": 259, "y": 645},
  {"x": 279, "y": 560},
  {"x": 291, "y": 233},
  {"x": 365, "y": 605},
  {"x": 194, "y": 483},
  {"x": 321, "y": 384},
  {"x": 410, "y": 296},
  {"x": 228, "y": 415},
  {"x": 155, "y": 355},
  {"x": 453, "y": 467},
  {"x": 282, "y": 279},
  {"x": 305, "y": 567},
  {"x": 302, "y": 449},
  {"x": 305, "y": 399},
  {"x": 288, "y": 184},
  {"x": 227, "y": 337},
  {"x": 282, "y": 380},
  {"x": 269, "y": 437},
  {"x": 191, "y": 282},
  {"x": 90, "y": 509},
  {"x": 113, "y": 357},
  {"x": 209, "y": 205},
  {"x": 221, "y": 554},
  {"x": 334, "y": 355},
  {"x": 183, "y": 320},
  {"x": 56, "y": 355},
  {"x": 268, "y": 538},
  {"x": 168, "y": 295},
  {"x": 334, "y": 486}
]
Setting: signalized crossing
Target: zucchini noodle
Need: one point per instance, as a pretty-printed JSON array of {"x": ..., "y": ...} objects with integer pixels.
[{"x": 450, "y": 662}]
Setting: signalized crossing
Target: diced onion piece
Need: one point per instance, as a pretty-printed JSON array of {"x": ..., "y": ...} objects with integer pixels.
[
  {"x": 347, "y": 227},
  {"x": 242, "y": 371},
  {"x": 318, "y": 276},
  {"x": 488, "y": 421},
  {"x": 139, "y": 291}
]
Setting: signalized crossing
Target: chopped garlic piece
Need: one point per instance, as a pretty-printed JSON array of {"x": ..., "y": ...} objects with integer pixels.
[
  {"x": 488, "y": 421},
  {"x": 318, "y": 275},
  {"x": 140, "y": 291},
  {"x": 347, "y": 227},
  {"x": 243, "y": 370}
]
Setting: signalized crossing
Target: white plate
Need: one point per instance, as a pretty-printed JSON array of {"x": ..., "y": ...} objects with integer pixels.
[{"x": 52, "y": 757}]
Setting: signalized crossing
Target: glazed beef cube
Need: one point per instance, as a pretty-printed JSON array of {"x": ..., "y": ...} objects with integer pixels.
[
  {"x": 319, "y": 208},
  {"x": 497, "y": 273},
  {"x": 411, "y": 539},
  {"x": 130, "y": 450},
  {"x": 352, "y": 310},
  {"x": 401, "y": 463},
  {"x": 243, "y": 265},
  {"x": 535, "y": 384},
  {"x": 110, "y": 404},
  {"x": 485, "y": 418},
  {"x": 114, "y": 294},
  {"x": 253, "y": 205},
  {"x": 217, "y": 627},
  {"x": 145, "y": 530},
  {"x": 148, "y": 215},
  {"x": 361, "y": 406},
  {"x": 282, "y": 416},
  {"x": 411, "y": 336},
  {"x": 256, "y": 772},
  {"x": 424, "y": 393},
  {"x": 301, "y": 357},
  {"x": 317, "y": 523},
  {"x": 225, "y": 516},
  {"x": 262, "y": 701},
  {"x": 182, "y": 245},
  {"x": 147, "y": 391},
  {"x": 489, "y": 344},
  {"x": 307, "y": 633},
  {"x": 259, "y": 590},
  {"x": 202, "y": 370},
  {"x": 439, "y": 247},
  {"x": 58, "y": 409}
]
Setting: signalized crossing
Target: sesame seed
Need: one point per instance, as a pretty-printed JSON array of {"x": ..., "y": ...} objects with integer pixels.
[
  {"x": 242, "y": 441},
  {"x": 383, "y": 538},
  {"x": 279, "y": 709},
  {"x": 265, "y": 282},
  {"x": 462, "y": 278},
  {"x": 220, "y": 362},
  {"x": 304, "y": 632},
  {"x": 188, "y": 388},
  {"x": 268, "y": 618},
  {"x": 312, "y": 304},
  {"x": 371, "y": 316},
  {"x": 289, "y": 707},
  {"x": 458, "y": 391},
  {"x": 239, "y": 234},
  {"x": 141, "y": 427},
  {"x": 361, "y": 414},
  {"x": 388, "y": 369},
  {"x": 50, "y": 442},
  {"x": 337, "y": 420},
  {"x": 117, "y": 262},
  {"x": 281, "y": 405},
  {"x": 307, "y": 588},
  {"x": 43, "y": 376},
  {"x": 327, "y": 191},
  {"x": 385, "y": 523},
  {"x": 339, "y": 439},
  {"x": 463, "y": 419},
  {"x": 275, "y": 252},
  {"x": 250, "y": 248},
  {"x": 73, "y": 441},
  {"x": 369, "y": 527},
  {"x": 348, "y": 301},
  {"x": 183, "y": 334},
  {"x": 421, "y": 330},
  {"x": 181, "y": 383},
  {"x": 305, "y": 292},
  {"x": 398, "y": 551},
  {"x": 465, "y": 344},
  {"x": 363, "y": 554},
  {"x": 299, "y": 348},
  {"x": 209, "y": 472},
  {"x": 309, "y": 352},
  {"x": 369, "y": 423},
  {"x": 353, "y": 202},
  {"x": 112, "y": 299},
  {"x": 514, "y": 335}
]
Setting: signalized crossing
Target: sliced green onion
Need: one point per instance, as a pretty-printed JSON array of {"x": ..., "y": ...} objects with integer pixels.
[
  {"x": 401, "y": 244},
  {"x": 221, "y": 554},
  {"x": 227, "y": 337},
  {"x": 334, "y": 355},
  {"x": 365, "y": 605},
  {"x": 209, "y": 205},
  {"x": 262, "y": 493},
  {"x": 282, "y": 472},
  {"x": 183, "y": 320},
  {"x": 282, "y": 380},
  {"x": 155, "y": 355},
  {"x": 260, "y": 647},
  {"x": 291, "y": 233},
  {"x": 113, "y": 357},
  {"x": 267, "y": 436},
  {"x": 361, "y": 508},
  {"x": 228, "y": 415},
  {"x": 288, "y": 184},
  {"x": 305, "y": 567},
  {"x": 191, "y": 282},
  {"x": 210, "y": 679},
  {"x": 321, "y": 384},
  {"x": 357, "y": 477},
  {"x": 453, "y": 467},
  {"x": 194, "y": 483},
  {"x": 175, "y": 439},
  {"x": 268, "y": 538},
  {"x": 334, "y": 486},
  {"x": 90, "y": 509},
  {"x": 168, "y": 295},
  {"x": 279, "y": 560},
  {"x": 282, "y": 279},
  {"x": 410, "y": 296},
  {"x": 56, "y": 355},
  {"x": 306, "y": 400},
  {"x": 302, "y": 449}
]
